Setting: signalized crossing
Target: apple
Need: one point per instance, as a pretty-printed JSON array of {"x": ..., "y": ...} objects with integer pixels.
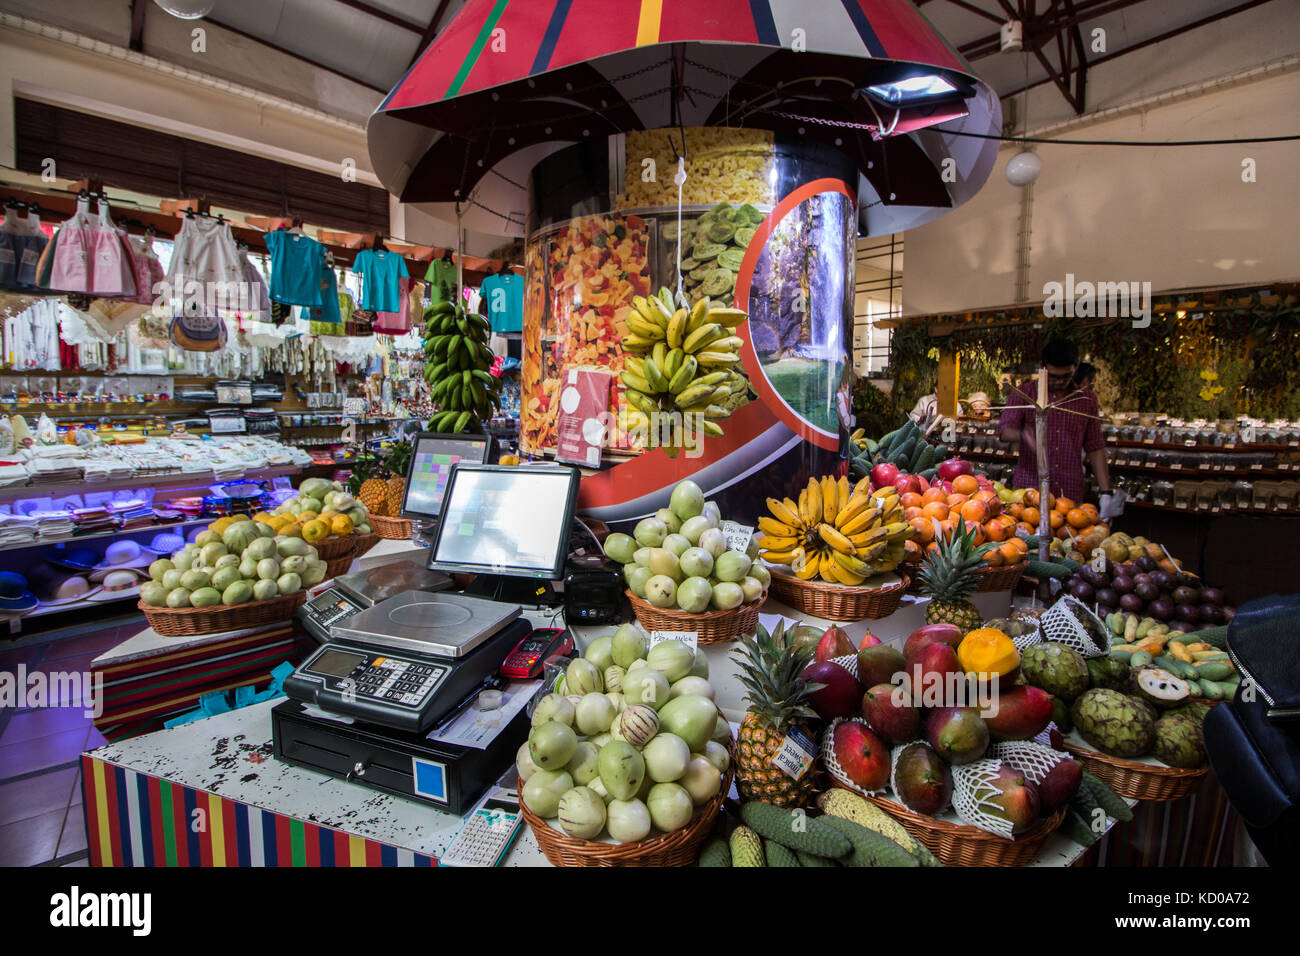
[
  {"x": 906, "y": 483},
  {"x": 924, "y": 483},
  {"x": 948, "y": 634},
  {"x": 883, "y": 474},
  {"x": 834, "y": 643},
  {"x": 952, "y": 467},
  {"x": 862, "y": 755}
]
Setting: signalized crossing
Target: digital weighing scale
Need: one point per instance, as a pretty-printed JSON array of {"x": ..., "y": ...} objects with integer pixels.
[
  {"x": 409, "y": 661},
  {"x": 362, "y": 705},
  {"x": 350, "y": 594}
]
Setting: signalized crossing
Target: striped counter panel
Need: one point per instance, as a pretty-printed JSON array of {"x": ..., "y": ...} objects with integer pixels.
[
  {"x": 133, "y": 819},
  {"x": 138, "y": 694}
]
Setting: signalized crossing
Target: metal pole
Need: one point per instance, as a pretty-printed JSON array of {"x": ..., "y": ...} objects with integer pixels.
[{"x": 1044, "y": 483}]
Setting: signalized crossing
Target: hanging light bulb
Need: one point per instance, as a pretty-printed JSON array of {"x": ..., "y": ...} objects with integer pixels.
[
  {"x": 187, "y": 9},
  {"x": 1023, "y": 168}
]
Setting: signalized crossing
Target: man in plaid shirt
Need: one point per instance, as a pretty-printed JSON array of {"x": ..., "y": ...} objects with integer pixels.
[{"x": 1070, "y": 437}]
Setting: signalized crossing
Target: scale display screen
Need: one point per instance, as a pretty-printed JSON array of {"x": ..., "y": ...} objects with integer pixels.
[
  {"x": 336, "y": 663},
  {"x": 432, "y": 459},
  {"x": 511, "y": 521}
]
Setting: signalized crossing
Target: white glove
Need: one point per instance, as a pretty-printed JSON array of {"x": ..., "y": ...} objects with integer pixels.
[{"x": 1112, "y": 505}]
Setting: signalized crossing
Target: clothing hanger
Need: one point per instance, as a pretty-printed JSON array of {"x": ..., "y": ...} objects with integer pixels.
[{"x": 446, "y": 256}]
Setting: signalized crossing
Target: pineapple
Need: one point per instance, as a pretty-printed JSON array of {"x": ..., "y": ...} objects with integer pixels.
[
  {"x": 395, "y": 488},
  {"x": 778, "y": 701},
  {"x": 374, "y": 495},
  {"x": 949, "y": 577}
]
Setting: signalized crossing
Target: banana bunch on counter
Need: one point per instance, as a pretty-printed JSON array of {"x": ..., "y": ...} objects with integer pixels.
[{"x": 835, "y": 532}]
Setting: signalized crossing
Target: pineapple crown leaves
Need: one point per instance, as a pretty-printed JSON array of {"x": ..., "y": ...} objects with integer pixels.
[
  {"x": 399, "y": 456},
  {"x": 949, "y": 571},
  {"x": 769, "y": 671}
]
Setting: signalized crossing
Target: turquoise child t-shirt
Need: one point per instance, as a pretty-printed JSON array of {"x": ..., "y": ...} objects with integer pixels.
[
  {"x": 296, "y": 263},
  {"x": 380, "y": 272},
  {"x": 503, "y": 300}
]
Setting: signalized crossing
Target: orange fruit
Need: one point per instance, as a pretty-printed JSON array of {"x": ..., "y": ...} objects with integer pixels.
[
  {"x": 1010, "y": 553},
  {"x": 1062, "y": 505},
  {"x": 994, "y": 558},
  {"x": 956, "y": 501},
  {"x": 995, "y": 531},
  {"x": 1028, "y": 528},
  {"x": 1030, "y": 517},
  {"x": 1051, "y": 502},
  {"x": 1076, "y": 518},
  {"x": 976, "y": 532},
  {"x": 932, "y": 548},
  {"x": 1091, "y": 511},
  {"x": 1056, "y": 519},
  {"x": 1016, "y": 510},
  {"x": 1020, "y": 544},
  {"x": 965, "y": 485},
  {"x": 935, "y": 509},
  {"x": 934, "y": 495},
  {"x": 1030, "y": 500},
  {"x": 976, "y": 511},
  {"x": 910, "y": 513},
  {"x": 924, "y": 529},
  {"x": 911, "y": 499}
]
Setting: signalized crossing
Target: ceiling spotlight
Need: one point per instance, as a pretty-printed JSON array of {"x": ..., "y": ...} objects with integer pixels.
[
  {"x": 1023, "y": 168},
  {"x": 1013, "y": 36},
  {"x": 187, "y": 9}
]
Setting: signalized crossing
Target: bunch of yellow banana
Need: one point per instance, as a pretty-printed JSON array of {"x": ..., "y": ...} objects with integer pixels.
[
  {"x": 684, "y": 361},
  {"x": 859, "y": 438},
  {"x": 835, "y": 532}
]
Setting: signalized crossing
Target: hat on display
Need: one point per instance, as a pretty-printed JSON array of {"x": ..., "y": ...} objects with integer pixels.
[
  {"x": 165, "y": 543},
  {"x": 122, "y": 556},
  {"x": 116, "y": 584},
  {"x": 59, "y": 589},
  {"x": 15, "y": 595},
  {"x": 74, "y": 559}
]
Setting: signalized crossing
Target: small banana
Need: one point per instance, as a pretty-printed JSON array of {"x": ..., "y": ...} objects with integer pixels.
[
  {"x": 702, "y": 336},
  {"x": 783, "y": 513},
  {"x": 836, "y": 539},
  {"x": 830, "y": 500},
  {"x": 773, "y": 526}
]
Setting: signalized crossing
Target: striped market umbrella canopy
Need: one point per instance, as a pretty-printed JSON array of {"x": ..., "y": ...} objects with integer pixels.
[{"x": 510, "y": 81}]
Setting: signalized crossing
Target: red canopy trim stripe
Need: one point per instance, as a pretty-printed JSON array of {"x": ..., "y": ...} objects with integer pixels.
[{"x": 470, "y": 55}]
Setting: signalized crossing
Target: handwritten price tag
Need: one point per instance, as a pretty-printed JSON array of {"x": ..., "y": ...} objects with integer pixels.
[
  {"x": 690, "y": 638},
  {"x": 738, "y": 535}
]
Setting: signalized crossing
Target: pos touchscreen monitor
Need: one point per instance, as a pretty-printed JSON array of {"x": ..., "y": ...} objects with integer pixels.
[
  {"x": 432, "y": 457},
  {"x": 501, "y": 522}
]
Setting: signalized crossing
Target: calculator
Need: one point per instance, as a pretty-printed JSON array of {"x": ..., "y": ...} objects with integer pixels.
[
  {"x": 488, "y": 831},
  {"x": 529, "y": 657}
]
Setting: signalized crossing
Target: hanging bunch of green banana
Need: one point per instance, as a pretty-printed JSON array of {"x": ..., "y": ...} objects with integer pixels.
[
  {"x": 456, "y": 366},
  {"x": 683, "y": 360}
]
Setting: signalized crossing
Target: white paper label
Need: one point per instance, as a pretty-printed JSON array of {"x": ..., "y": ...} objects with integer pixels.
[
  {"x": 690, "y": 638},
  {"x": 1256, "y": 466},
  {"x": 737, "y": 535},
  {"x": 796, "y": 754},
  {"x": 1176, "y": 466}
]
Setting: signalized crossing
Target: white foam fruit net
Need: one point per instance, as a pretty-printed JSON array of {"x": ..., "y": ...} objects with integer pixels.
[
  {"x": 1028, "y": 640},
  {"x": 893, "y": 767},
  {"x": 1061, "y": 623},
  {"x": 832, "y": 764},
  {"x": 849, "y": 662},
  {"x": 973, "y": 793},
  {"x": 1034, "y": 760}
]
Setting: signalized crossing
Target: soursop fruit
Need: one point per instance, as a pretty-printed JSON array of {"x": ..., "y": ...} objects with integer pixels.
[
  {"x": 1179, "y": 742},
  {"x": 1104, "y": 672},
  {"x": 1147, "y": 708},
  {"x": 1158, "y": 687},
  {"x": 1056, "y": 668},
  {"x": 1112, "y": 723}
]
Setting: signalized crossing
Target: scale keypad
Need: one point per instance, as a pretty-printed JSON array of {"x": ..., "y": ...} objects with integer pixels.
[{"x": 396, "y": 681}]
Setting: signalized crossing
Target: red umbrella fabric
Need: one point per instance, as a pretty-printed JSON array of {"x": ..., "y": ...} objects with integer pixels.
[{"x": 507, "y": 76}]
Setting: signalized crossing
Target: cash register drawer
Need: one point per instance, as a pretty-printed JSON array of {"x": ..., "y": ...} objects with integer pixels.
[{"x": 448, "y": 777}]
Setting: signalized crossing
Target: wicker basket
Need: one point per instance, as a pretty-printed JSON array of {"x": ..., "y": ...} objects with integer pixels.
[
  {"x": 711, "y": 627},
  {"x": 337, "y": 566},
  {"x": 394, "y": 529},
  {"x": 679, "y": 848},
  {"x": 956, "y": 844},
  {"x": 1137, "y": 780},
  {"x": 332, "y": 548},
  {"x": 188, "y": 621},
  {"x": 838, "y": 602},
  {"x": 364, "y": 543},
  {"x": 1004, "y": 578}
]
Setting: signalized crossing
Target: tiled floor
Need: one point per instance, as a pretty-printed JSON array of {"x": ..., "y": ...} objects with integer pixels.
[{"x": 41, "y": 821}]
